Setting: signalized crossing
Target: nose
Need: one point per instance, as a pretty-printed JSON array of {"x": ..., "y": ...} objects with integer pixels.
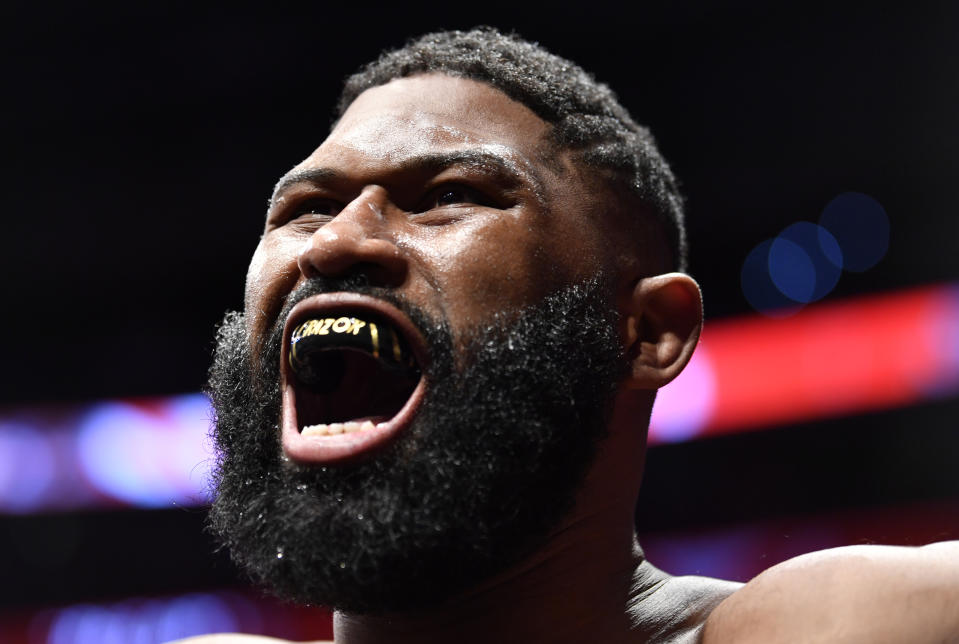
[{"x": 359, "y": 239}]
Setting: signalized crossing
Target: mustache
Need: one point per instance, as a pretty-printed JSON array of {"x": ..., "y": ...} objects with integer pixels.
[{"x": 357, "y": 283}]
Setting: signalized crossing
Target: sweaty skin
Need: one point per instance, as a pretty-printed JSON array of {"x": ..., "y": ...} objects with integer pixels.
[
  {"x": 391, "y": 156},
  {"x": 451, "y": 193}
]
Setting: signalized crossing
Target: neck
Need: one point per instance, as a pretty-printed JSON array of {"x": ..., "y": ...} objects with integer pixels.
[
  {"x": 578, "y": 589},
  {"x": 582, "y": 586}
]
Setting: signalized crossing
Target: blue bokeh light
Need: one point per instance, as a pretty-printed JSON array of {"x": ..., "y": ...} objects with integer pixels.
[
  {"x": 791, "y": 270},
  {"x": 805, "y": 262},
  {"x": 758, "y": 287},
  {"x": 861, "y": 227}
]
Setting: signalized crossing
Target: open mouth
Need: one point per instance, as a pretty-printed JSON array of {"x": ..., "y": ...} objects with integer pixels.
[{"x": 352, "y": 377}]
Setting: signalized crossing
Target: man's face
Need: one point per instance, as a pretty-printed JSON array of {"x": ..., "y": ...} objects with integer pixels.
[
  {"x": 438, "y": 209},
  {"x": 465, "y": 206}
]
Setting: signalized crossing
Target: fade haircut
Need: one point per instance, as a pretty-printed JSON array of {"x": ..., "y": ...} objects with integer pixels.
[{"x": 585, "y": 114}]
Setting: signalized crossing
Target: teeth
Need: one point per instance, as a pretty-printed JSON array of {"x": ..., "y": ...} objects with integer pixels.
[{"x": 322, "y": 429}]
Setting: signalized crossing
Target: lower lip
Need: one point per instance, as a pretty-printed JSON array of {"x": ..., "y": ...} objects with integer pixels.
[{"x": 339, "y": 448}]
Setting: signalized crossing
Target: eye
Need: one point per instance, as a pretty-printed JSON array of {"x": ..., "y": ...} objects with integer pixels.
[
  {"x": 454, "y": 195},
  {"x": 317, "y": 207},
  {"x": 306, "y": 214}
]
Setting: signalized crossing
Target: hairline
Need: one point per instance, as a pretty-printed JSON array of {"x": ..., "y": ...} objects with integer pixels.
[
  {"x": 613, "y": 187},
  {"x": 587, "y": 120}
]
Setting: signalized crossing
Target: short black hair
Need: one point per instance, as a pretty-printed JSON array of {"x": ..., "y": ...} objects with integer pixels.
[{"x": 585, "y": 114}]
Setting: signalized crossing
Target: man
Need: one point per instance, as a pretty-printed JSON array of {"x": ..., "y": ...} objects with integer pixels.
[{"x": 432, "y": 415}]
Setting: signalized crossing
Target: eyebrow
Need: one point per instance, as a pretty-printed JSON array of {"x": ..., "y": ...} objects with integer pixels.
[
  {"x": 313, "y": 175},
  {"x": 503, "y": 167}
]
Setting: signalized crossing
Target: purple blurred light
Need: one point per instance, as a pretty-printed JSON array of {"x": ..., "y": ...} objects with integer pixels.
[
  {"x": 148, "y": 456},
  {"x": 27, "y": 468},
  {"x": 139, "y": 621},
  {"x": 685, "y": 405}
]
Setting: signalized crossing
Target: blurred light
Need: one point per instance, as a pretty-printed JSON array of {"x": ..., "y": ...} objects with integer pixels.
[
  {"x": 147, "y": 453},
  {"x": 843, "y": 357},
  {"x": 27, "y": 468},
  {"x": 684, "y": 407},
  {"x": 942, "y": 331},
  {"x": 791, "y": 270},
  {"x": 805, "y": 262},
  {"x": 861, "y": 227},
  {"x": 150, "y": 456},
  {"x": 164, "y": 619},
  {"x": 194, "y": 615},
  {"x": 716, "y": 552},
  {"x": 837, "y": 358},
  {"x": 141, "y": 621},
  {"x": 801, "y": 265},
  {"x": 761, "y": 292}
]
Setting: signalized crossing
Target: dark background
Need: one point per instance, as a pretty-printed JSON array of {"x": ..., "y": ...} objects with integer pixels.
[{"x": 142, "y": 141}]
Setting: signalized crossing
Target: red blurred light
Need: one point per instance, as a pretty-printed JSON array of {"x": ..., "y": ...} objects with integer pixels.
[{"x": 829, "y": 359}]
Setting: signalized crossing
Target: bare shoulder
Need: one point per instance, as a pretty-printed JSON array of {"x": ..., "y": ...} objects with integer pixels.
[
  {"x": 873, "y": 594},
  {"x": 234, "y": 638}
]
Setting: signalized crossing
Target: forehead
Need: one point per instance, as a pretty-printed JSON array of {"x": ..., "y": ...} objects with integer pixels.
[{"x": 415, "y": 116}]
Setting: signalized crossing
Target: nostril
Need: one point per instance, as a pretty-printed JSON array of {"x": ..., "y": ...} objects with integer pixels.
[
  {"x": 379, "y": 262},
  {"x": 378, "y": 274},
  {"x": 306, "y": 263}
]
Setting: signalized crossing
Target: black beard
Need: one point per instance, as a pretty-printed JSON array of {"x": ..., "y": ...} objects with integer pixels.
[{"x": 489, "y": 467}]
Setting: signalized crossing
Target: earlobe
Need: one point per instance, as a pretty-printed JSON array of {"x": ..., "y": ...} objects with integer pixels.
[{"x": 663, "y": 323}]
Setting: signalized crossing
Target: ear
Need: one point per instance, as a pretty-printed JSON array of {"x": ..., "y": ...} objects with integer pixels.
[{"x": 664, "y": 318}]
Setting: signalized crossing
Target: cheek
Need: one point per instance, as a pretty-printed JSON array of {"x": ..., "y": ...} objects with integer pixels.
[
  {"x": 254, "y": 274},
  {"x": 469, "y": 248},
  {"x": 270, "y": 276},
  {"x": 480, "y": 269}
]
